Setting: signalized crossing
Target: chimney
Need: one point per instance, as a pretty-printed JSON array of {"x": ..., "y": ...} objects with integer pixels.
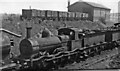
[
  {"x": 28, "y": 29},
  {"x": 80, "y": 0},
  {"x": 30, "y": 7},
  {"x": 68, "y": 3}
]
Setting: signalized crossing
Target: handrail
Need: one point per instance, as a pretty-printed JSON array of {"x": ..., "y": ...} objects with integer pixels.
[{"x": 9, "y": 32}]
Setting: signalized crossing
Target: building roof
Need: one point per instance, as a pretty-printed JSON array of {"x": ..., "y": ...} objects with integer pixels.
[
  {"x": 92, "y": 4},
  {"x": 96, "y": 5}
]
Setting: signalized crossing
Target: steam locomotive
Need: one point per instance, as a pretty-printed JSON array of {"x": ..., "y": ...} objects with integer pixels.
[
  {"x": 53, "y": 15},
  {"x": 71, "y": 45}
]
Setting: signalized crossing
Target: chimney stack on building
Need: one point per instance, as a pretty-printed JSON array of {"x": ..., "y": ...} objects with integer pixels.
[
  {"x": 68, "y": 3},
  {"x": 80, "y": 0}
]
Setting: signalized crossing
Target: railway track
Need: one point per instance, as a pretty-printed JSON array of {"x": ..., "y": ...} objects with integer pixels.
[
  {"x": 106, "y": 55},
  {"x": 86, "y": 66}
]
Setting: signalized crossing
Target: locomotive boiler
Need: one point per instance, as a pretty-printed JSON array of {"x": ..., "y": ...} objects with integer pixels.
[{"x": 35, "y": 45}]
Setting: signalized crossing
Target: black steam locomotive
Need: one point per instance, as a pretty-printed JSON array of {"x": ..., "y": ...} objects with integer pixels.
[
  {"x": 71, "y": 45},
  {"x": 53, "y": 15}
]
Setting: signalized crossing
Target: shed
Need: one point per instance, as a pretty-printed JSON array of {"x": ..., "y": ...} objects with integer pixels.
[{"x": 94, "y": 10}]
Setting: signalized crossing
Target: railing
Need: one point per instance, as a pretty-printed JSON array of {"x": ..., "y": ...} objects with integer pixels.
[{"x": 9, "y": 32}]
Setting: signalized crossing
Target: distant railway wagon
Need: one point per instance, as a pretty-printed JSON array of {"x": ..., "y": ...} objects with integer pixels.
[
  {"x": 29, "y": 13},
  {"x": 85, "y": 15},
  {"x": 26, "y": 13},
  {"x": 62, "y": 15},
  {"x": 53, "y": 15},
  {"x": 71, "y": 15},
  {"x": 41, "y": 13},
  {"x": 78, "y": 15}
]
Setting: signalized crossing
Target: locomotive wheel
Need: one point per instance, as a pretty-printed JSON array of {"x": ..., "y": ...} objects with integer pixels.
[
  {"x": 58, "y": 61},
  {"x": 105, "y": 46},
  {"x": 108, "y": 46},
  {"x": 86, "y": 56},
  {"x": 102, "y": 47},
  {"x": 96, "y": 51},
  {"x": 46, "y": 64},
  {"x": 92, "y": 53},
  {"x": 112, "y": 46},
  {"x": 77, "y": 58},
  {"x": 55, "y": 64},
  {"x": 64, "y": 60},
  {"x": 72, "y": 58},
  {"x": 115, "y": 44},
  {"x": 49, "y": 65},
  {"x": 61, "y": 61},
  {"x": 81, "y": 58},
  {"x": 69, "y": 60}
]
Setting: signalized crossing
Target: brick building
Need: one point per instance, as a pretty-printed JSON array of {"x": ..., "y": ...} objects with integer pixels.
[{"x": 94, "y": 10}]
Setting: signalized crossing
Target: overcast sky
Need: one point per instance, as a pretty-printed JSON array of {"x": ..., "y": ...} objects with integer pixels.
[{"x": 16, "y": 6}]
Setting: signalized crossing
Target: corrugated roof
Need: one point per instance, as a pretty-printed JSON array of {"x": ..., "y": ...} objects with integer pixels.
[
  {"x": 96, "y": 5},
  {"x": 92, "y": 4}
]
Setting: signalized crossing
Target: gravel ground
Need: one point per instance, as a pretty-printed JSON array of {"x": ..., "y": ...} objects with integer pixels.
[{"x": 102, "y": 65}]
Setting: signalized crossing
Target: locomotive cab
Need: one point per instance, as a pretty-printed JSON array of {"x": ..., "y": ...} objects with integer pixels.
[{"x": 73, "y": 33}]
